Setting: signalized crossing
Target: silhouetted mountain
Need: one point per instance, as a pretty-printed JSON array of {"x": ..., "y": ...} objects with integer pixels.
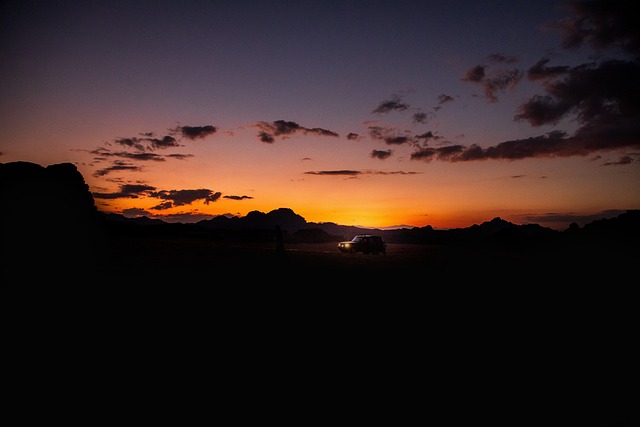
[
  {"x": 141, "y": 220},
  {"x": 313, "y": 235},
  {"x": 259, "y": 226},
  {"x": 255, "y": 220},
  {"x": 47, "y": 214}
]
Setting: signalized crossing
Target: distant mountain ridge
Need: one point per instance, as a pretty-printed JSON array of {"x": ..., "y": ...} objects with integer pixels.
[
  {"x": 260, "y": 225},
  {"x": 72, "y": 211}
]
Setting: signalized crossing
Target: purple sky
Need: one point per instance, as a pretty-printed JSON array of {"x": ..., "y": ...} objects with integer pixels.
[{"x": 371, "y": 113}]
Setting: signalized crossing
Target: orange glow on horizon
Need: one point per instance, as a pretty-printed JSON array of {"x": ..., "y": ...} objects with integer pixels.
[{"x": 441, "y": 219}]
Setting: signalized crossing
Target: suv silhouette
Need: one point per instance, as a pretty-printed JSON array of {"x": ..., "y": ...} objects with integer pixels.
[{"x": 365, "y": 243}]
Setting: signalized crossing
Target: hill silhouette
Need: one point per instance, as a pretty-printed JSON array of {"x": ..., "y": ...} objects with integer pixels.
[{"x": 49, "y": 216}]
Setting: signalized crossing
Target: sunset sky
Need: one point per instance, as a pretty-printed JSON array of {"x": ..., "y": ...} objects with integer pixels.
[{"x": 371, "y": 113}]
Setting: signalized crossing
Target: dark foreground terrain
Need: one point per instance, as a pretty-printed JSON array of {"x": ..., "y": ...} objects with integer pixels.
[
  {"x": 488, "y": 325},
  {"x": 563, "y": 264},
  {"x": 126, "y": 258}
]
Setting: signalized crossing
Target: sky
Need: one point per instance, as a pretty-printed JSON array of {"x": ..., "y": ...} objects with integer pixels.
[{"x": 367, "y": 113}]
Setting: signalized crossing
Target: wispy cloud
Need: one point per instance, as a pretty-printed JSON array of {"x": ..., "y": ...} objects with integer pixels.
[
  {"x": 283, "y": 129},
  {"x": 357, "y": 173},
  {"x": 184, "y": 197},
  {"x": 493, "y": 81},
  {"x": 393, "y": 104},
  {"x": 601, "y": 96},
  {"x": 196, "y": 132}
]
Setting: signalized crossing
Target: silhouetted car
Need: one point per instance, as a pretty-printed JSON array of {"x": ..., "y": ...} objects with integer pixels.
[{"x": 366, "y": 243}]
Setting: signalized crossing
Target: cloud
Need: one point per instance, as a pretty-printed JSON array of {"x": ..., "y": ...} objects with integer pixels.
[
  {"x": 395, "y": 173},
  {"x": 498, "y": 81},
  {"x": 179, "y": 156},
  {"x": 426, "y": 136},
  {"x": 283, "y": 128},
  {"x": 184, "y": 197},
  {"x": 335, "y": 172},
  {"x": 103, "y": 153},
  {"x": 143, "y": 145},
  {"x": 389, "y": 136},
  {"x": 237, "y": 197},
  {"x": 117, "y": 166},
  {"x": 624, "y": 160},
  {"x": 196, "y": 132},
  {"x": 265, "y": 137},
  {"x": 553, "y": 144},
  {"x": 381, "y": 154},
  {"x": 127, "y": 191},
  {"x": 171, "y": 198},
  {"x": 474, "y": 74},
  {"x": 443, "y": 99},
  {"x": 506, "y": 59},
  {"x": 420, "y": 117},
  {"x": 601, "y": 24},
  {"x": 602, "y": 97},
  {"x": 354, "y": 173},
  {"x": 393, "y": 104},
  {"x": 148, "y": 142},
  {"x": 540, "y": 71},
  {"x": 594, "y": 93}
]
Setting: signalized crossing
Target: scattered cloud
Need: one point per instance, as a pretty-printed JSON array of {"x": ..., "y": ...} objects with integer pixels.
[
  {"x": 148, "y": 142},
  {"x": 117, "y": 166},
  {"x": 443, "y": 99},
  {"x": 196, "y": 132},
  {"x": 601, "y": 96},
  {"x": 335, "y": 172},
  {"x": 389, "y": 136},
  {"x": 505, "y": 59},
  {"x": 127, "y": 191},
  {"x": 602, "y": 24},
  {"x": 237, "y": 197},
  {"x": 493, "y": 81},
  {"x": 282, "y": 128},
  {"x": 393, "y": 104},
  {"x": 381, "y": 154},
  {"x": 353, "y": 173},
  {"x": 184, "y": 197},
  {"x": 420, "y": 118}
]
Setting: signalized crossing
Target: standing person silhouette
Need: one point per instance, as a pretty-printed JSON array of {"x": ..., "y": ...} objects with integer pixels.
[{"x": 279, "y": 241}]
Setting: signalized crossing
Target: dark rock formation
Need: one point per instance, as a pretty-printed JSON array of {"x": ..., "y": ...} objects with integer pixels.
[{"x": 48, "y": 220}]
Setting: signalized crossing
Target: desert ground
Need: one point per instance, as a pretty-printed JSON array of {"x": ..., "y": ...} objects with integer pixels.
[{"x": 158, "y": 257}]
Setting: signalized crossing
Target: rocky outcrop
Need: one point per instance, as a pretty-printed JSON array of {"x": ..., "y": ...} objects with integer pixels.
[{"x": 48, "y": 220}]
